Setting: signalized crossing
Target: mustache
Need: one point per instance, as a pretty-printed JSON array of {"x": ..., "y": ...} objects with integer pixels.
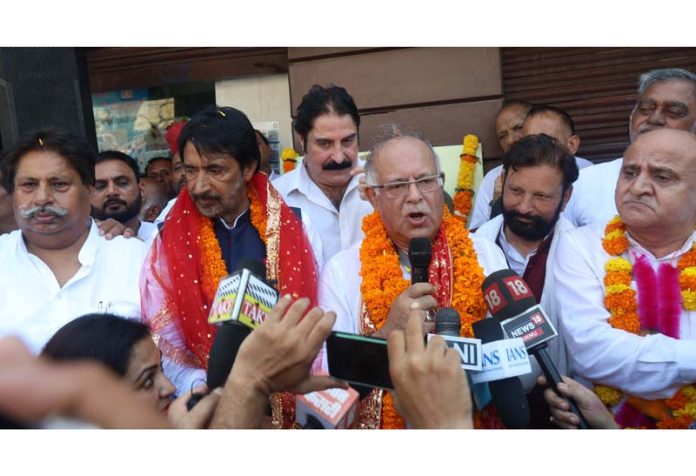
[
  {"x": 54, "y": 210},
  {"x": 115, "y": 201},
  {"x": 333, "y": 165},
  {"x": 207, "y": 196}
]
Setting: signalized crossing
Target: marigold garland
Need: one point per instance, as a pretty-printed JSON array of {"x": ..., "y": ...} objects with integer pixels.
[
  {"x": 620, "y": 300},
  {"x": 382, "y": 282},
  {"x": 289, "y": 158},
  {"x": 214, "y": 267},
  {"x": 465, "y": 180}
]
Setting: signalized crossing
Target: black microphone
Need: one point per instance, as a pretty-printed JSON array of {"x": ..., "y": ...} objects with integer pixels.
[
  {"x": 419, "y": 254},
  {"x": 230, "y": 334},
  {"x": 508, "y": 395},
  {"x": 508, "y": 296},
  {"x": 448, "y": 322}
]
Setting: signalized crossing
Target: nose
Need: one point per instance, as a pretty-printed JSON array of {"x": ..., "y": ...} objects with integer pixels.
[
  {"x": 111, "y": 189},
  {"x": 198, "y": 184},
  {"x": 657, "y": 117},
  {"x": 640, "y": 185},
  {"x": 43, "y": 194},
  {"x": 166, "y": 387},
  {"x": 414, "y": 195},
  {"x": 525, "y": 205}
]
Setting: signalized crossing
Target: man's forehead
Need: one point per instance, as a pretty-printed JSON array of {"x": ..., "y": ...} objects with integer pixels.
[
  {"x": 675, "y": 91},
  {"x": 30, "y": 164}
]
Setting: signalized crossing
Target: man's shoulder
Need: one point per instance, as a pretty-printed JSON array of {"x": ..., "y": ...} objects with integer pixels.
[
  {"x": 490, "y": 229},
  {"x": 348, "y": 257},
  {"x": 287, "y": 182},
  {"x": 598, "y": 171},
  {"x": 8, "y": 243}
]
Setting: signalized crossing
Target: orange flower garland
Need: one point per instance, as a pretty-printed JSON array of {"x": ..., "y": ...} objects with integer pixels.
[
  {"x": 289, "y": 158},
  {"x": 620, "y": 300},
  {"x": 465, "y": 180},
  {"x": 214, "y": 267},
  {"x": 382, "y": 282}
]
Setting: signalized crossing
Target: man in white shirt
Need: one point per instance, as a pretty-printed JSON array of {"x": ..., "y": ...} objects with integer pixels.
[
  {"x": 368, "y": 285},
  {"x": 118, "y": 195},
  {"x": 538, "y": 176},
  {"x": 540, "y": 119},
  {"x": 56, "y": 267},
  {"x": 666, "y": 99},
  {"x": 625, "y": 291},
  {"x": 322, "y": 187}
]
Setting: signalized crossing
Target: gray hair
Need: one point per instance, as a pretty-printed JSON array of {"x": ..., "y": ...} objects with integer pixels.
[
  {"x": 387, "y": 133},
  {"x": 667, "y": 74}
]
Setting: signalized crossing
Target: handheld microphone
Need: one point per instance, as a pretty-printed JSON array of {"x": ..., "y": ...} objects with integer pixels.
[
  {"x": 510, "y": 301},
  {"x": 242, "y": 302},
  {"x": 508, "y": 394},
  {"x": 333, "y": 408},
  {"x": 448, "y": 322},
  {"x": 419, "y": 254}
]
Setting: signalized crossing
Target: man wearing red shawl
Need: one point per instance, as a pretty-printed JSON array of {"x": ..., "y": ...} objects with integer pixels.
[{"x": 227, "y": 212}]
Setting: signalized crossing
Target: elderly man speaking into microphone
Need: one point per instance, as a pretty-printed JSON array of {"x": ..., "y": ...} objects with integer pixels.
[{"x": 368, "y": 285}]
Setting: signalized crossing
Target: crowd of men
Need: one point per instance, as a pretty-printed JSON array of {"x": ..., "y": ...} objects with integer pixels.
[{"x": 607, "y": 250}]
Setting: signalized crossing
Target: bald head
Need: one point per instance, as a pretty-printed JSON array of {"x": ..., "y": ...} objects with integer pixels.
[{"x": 656, "y": 190}]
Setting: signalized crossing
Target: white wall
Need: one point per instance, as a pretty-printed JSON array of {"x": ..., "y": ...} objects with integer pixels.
[{"x": 261, "y": 98}]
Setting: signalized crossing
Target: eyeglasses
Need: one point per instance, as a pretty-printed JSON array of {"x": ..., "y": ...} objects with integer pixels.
[{"x": 424, "y": 185}]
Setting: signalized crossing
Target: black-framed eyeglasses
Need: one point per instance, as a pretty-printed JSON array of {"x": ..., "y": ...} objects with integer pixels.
[{"x": 424, "y": 185}]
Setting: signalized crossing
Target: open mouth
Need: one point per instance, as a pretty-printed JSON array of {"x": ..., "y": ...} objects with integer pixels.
[{"x": 417, "y": 218}]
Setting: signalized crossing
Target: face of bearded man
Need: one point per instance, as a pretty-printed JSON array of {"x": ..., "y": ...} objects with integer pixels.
[
  {"x": 116, "y": 192},
  {"x": 533, "y": 199}
]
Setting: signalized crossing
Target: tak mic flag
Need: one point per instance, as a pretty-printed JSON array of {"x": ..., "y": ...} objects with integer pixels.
[{"x": 245, "y": 295}]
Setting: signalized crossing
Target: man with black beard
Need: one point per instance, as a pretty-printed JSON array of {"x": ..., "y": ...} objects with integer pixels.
[
  {"x": 117, "y": 193},
  {"x": 322, "y": 186},
  {"x": 538, "y": 176}
]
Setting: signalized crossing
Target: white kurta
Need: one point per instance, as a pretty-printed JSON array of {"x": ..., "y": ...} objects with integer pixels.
[
  {"x": 592, "y": 200},
  {"x": 338, "y": 229},
  {"x": 32, "y": 304},
  {"x": 651, "y": 367},
  {"x": 556, "y": 348},
  {"x": 481, "y": 211}
]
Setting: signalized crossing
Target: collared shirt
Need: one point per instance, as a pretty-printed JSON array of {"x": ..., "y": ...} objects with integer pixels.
[
  {"x": 556, "y": 348},
  {"x": 652, "y": 366},
  {"x": 32, "y": 304},
  {"x": 338, "y": 229},
  {"x": 481, "y": 211},
  {"x": 592, "y": 200},
  {"x": 147, "y": 232},
  {"x": 517, "y": 262}
]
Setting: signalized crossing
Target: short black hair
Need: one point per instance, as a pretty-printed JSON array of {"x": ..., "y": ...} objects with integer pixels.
[
  {"x": 73, "y": 148},
  {"x": 106, "y": 338},
  {"x": 540, "y": 149},
  {"x": 118, "y": 155},
  {"x": 539, "y": 109},
  {"x": 222, "y": 130},
  {"x": 320, "y": 100},
  {"x": 155, "y": 159}
]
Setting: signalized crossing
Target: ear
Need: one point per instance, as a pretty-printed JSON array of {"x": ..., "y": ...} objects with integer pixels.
[
  {"x": 249, "y": 171},
  {"x": 566, "y": 197},
  {"x": 371, "y": 196},
  {"x": 573, "y": 144},
  {"x": 152, "y": 213}
]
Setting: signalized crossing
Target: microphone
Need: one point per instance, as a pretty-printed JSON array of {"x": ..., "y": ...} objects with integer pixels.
[
  {"x": 508, "y": 394},
  {"x": 334, "y": 408},
  {"x": 242, "y": 303},
  {"x": 448, "y": 322},
  {"x": 511, "y": 302},
  {"x": 419, "y": 254}
]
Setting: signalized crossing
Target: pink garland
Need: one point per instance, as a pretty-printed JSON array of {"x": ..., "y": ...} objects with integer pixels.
[
  {"x": 658, "y": 314},
  {"x": 647, "y": 285},
  {"x": 670, "y": 306}
]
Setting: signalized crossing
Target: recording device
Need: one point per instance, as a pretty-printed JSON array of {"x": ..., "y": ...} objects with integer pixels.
[
  {"x": 508, "y": 395},
  {"x": 359, "y": 359},
  {"x": 242, "y": 303},
  {"x": 333, "y": 408},
  {"x": 448, "y": 325},
  {"x": 419, "y": 254},
  {"x": 511, "y": 302}
]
